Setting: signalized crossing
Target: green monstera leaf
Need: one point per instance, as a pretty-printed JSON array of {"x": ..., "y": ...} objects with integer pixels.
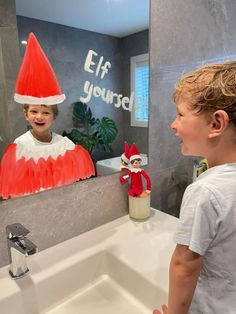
[
  {"x": 93, "y": 134},
  {"x": 83, "y": 114},
  {"x": 107, "y": 130},
  {"x": 106, "y": 133}
]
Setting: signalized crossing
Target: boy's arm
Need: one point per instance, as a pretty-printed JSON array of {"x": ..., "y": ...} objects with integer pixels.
[{"x": 184, "y": 270}]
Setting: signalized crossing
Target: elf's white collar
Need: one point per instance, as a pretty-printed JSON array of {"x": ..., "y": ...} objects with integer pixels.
[
  {"x": 136, "y": 170},
  {"x": 44, "y": 151}
]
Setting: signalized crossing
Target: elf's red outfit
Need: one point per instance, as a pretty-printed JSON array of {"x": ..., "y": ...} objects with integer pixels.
[
  {"x": 30, "y": 166},
  {"x": 136, "y": 185}
]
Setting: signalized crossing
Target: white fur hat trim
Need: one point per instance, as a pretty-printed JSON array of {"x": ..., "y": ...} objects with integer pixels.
[
  {"x": 30, "y": 100},
  {"x": 135, "y": 157}
]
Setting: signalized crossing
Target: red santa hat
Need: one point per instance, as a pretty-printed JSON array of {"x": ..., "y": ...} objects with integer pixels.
[
  {"x": 134, "y": 152},
  {"x": 125, "y": 155},
  {"x": 36, "y": 82}
]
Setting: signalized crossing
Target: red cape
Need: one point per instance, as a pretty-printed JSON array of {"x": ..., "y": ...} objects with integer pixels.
[{"x": 20, "y": 177}]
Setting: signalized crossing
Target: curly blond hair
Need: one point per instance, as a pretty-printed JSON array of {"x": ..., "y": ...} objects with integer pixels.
[{"x": 210, "y": 88}]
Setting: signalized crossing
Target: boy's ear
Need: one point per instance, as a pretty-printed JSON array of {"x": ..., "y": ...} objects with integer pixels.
[
  {"x": 25, "y": 114},
  {"x": 220, "y": 121}
]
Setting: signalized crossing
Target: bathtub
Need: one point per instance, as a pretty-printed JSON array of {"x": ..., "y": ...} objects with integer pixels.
[{"x": 112, "y": 165}]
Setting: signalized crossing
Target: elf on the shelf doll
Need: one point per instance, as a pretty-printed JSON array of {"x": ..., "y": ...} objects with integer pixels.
[
  {"x": 124, "y": 158},
  {"x": 40, "y": 159},
  {"x": 136, "y": 173}
]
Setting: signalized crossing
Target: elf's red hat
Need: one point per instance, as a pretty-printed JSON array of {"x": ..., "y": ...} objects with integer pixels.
[
  {"x": 36, "y": 82},
  {"x": 134, "y": 152},
  {"x": 125, "y": 155}
]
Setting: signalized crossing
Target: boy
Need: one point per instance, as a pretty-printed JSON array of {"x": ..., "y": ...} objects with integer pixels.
[{"x": 202, "y": 272}]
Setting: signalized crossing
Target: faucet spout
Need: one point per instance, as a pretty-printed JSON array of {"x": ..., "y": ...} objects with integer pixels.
[{"x": 18, "y": 248}]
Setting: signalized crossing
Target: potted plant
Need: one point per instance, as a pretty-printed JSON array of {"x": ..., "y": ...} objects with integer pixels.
[{"x": 91, "y": 133}]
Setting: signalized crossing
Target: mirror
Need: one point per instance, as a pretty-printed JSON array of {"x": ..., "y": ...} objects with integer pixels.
[{"x": 99, "y": 52}]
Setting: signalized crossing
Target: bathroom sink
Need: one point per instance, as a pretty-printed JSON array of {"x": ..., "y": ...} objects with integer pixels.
[
  {"x": 100, "y": 283},
  {"x": 120, "y": 267}
]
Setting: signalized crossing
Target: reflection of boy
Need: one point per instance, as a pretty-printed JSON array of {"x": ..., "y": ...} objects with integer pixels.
[
  {"x": 202, "y": 269},
  {"x": 136, "y": 173},
  {"x": 40, "y": 159}
]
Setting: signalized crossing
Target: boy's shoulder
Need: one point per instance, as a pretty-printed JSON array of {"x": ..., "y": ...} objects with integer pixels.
[
  {"x": 24, "y": 138},
  {"x": 27, "y": 138},
  {"x": 56, "y": 137},
  {"x": 217, "y": 174},
  {"x": 216, "y": 182}
]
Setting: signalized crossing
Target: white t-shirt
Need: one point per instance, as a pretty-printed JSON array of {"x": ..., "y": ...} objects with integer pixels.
[
  {"x": 28, "y": 138},
  {"x": 29, "y": 147},
  {"x": 208, "y": 226}
]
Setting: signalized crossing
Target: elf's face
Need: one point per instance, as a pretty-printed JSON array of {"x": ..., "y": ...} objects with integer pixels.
[{"x": 137, "y": 163}]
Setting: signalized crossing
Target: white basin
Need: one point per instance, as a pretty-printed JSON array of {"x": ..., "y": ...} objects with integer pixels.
[
  {"x": 104, "y": 283},
  {"x": 111, "y": 269},
  {"x": 100, "y": 282}
]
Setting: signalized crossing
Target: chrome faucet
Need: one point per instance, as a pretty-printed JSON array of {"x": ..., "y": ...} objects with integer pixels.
[{"x": 18, "y": 248}]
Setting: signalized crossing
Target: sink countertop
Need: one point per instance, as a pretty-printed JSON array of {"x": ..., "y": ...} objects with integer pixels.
[{"x": 146, "y": 247}]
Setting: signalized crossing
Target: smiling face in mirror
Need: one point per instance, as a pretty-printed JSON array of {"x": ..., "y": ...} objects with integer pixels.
[
  {"x": 95, "y": 68},
  {"x": 40, "y": 118},
  {"x": 40, "y": 159}
]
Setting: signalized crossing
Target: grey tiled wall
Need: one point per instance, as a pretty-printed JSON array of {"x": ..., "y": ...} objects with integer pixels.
[{"x": 183, "y": 35}]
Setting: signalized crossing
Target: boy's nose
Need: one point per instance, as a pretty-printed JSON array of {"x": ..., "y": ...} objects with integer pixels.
[
  {"x": 173, "y": 126},
  {"x": 39, "y": 115}
]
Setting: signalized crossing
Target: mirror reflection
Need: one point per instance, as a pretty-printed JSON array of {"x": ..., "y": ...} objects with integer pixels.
[{"x": 103, "y": 72}]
